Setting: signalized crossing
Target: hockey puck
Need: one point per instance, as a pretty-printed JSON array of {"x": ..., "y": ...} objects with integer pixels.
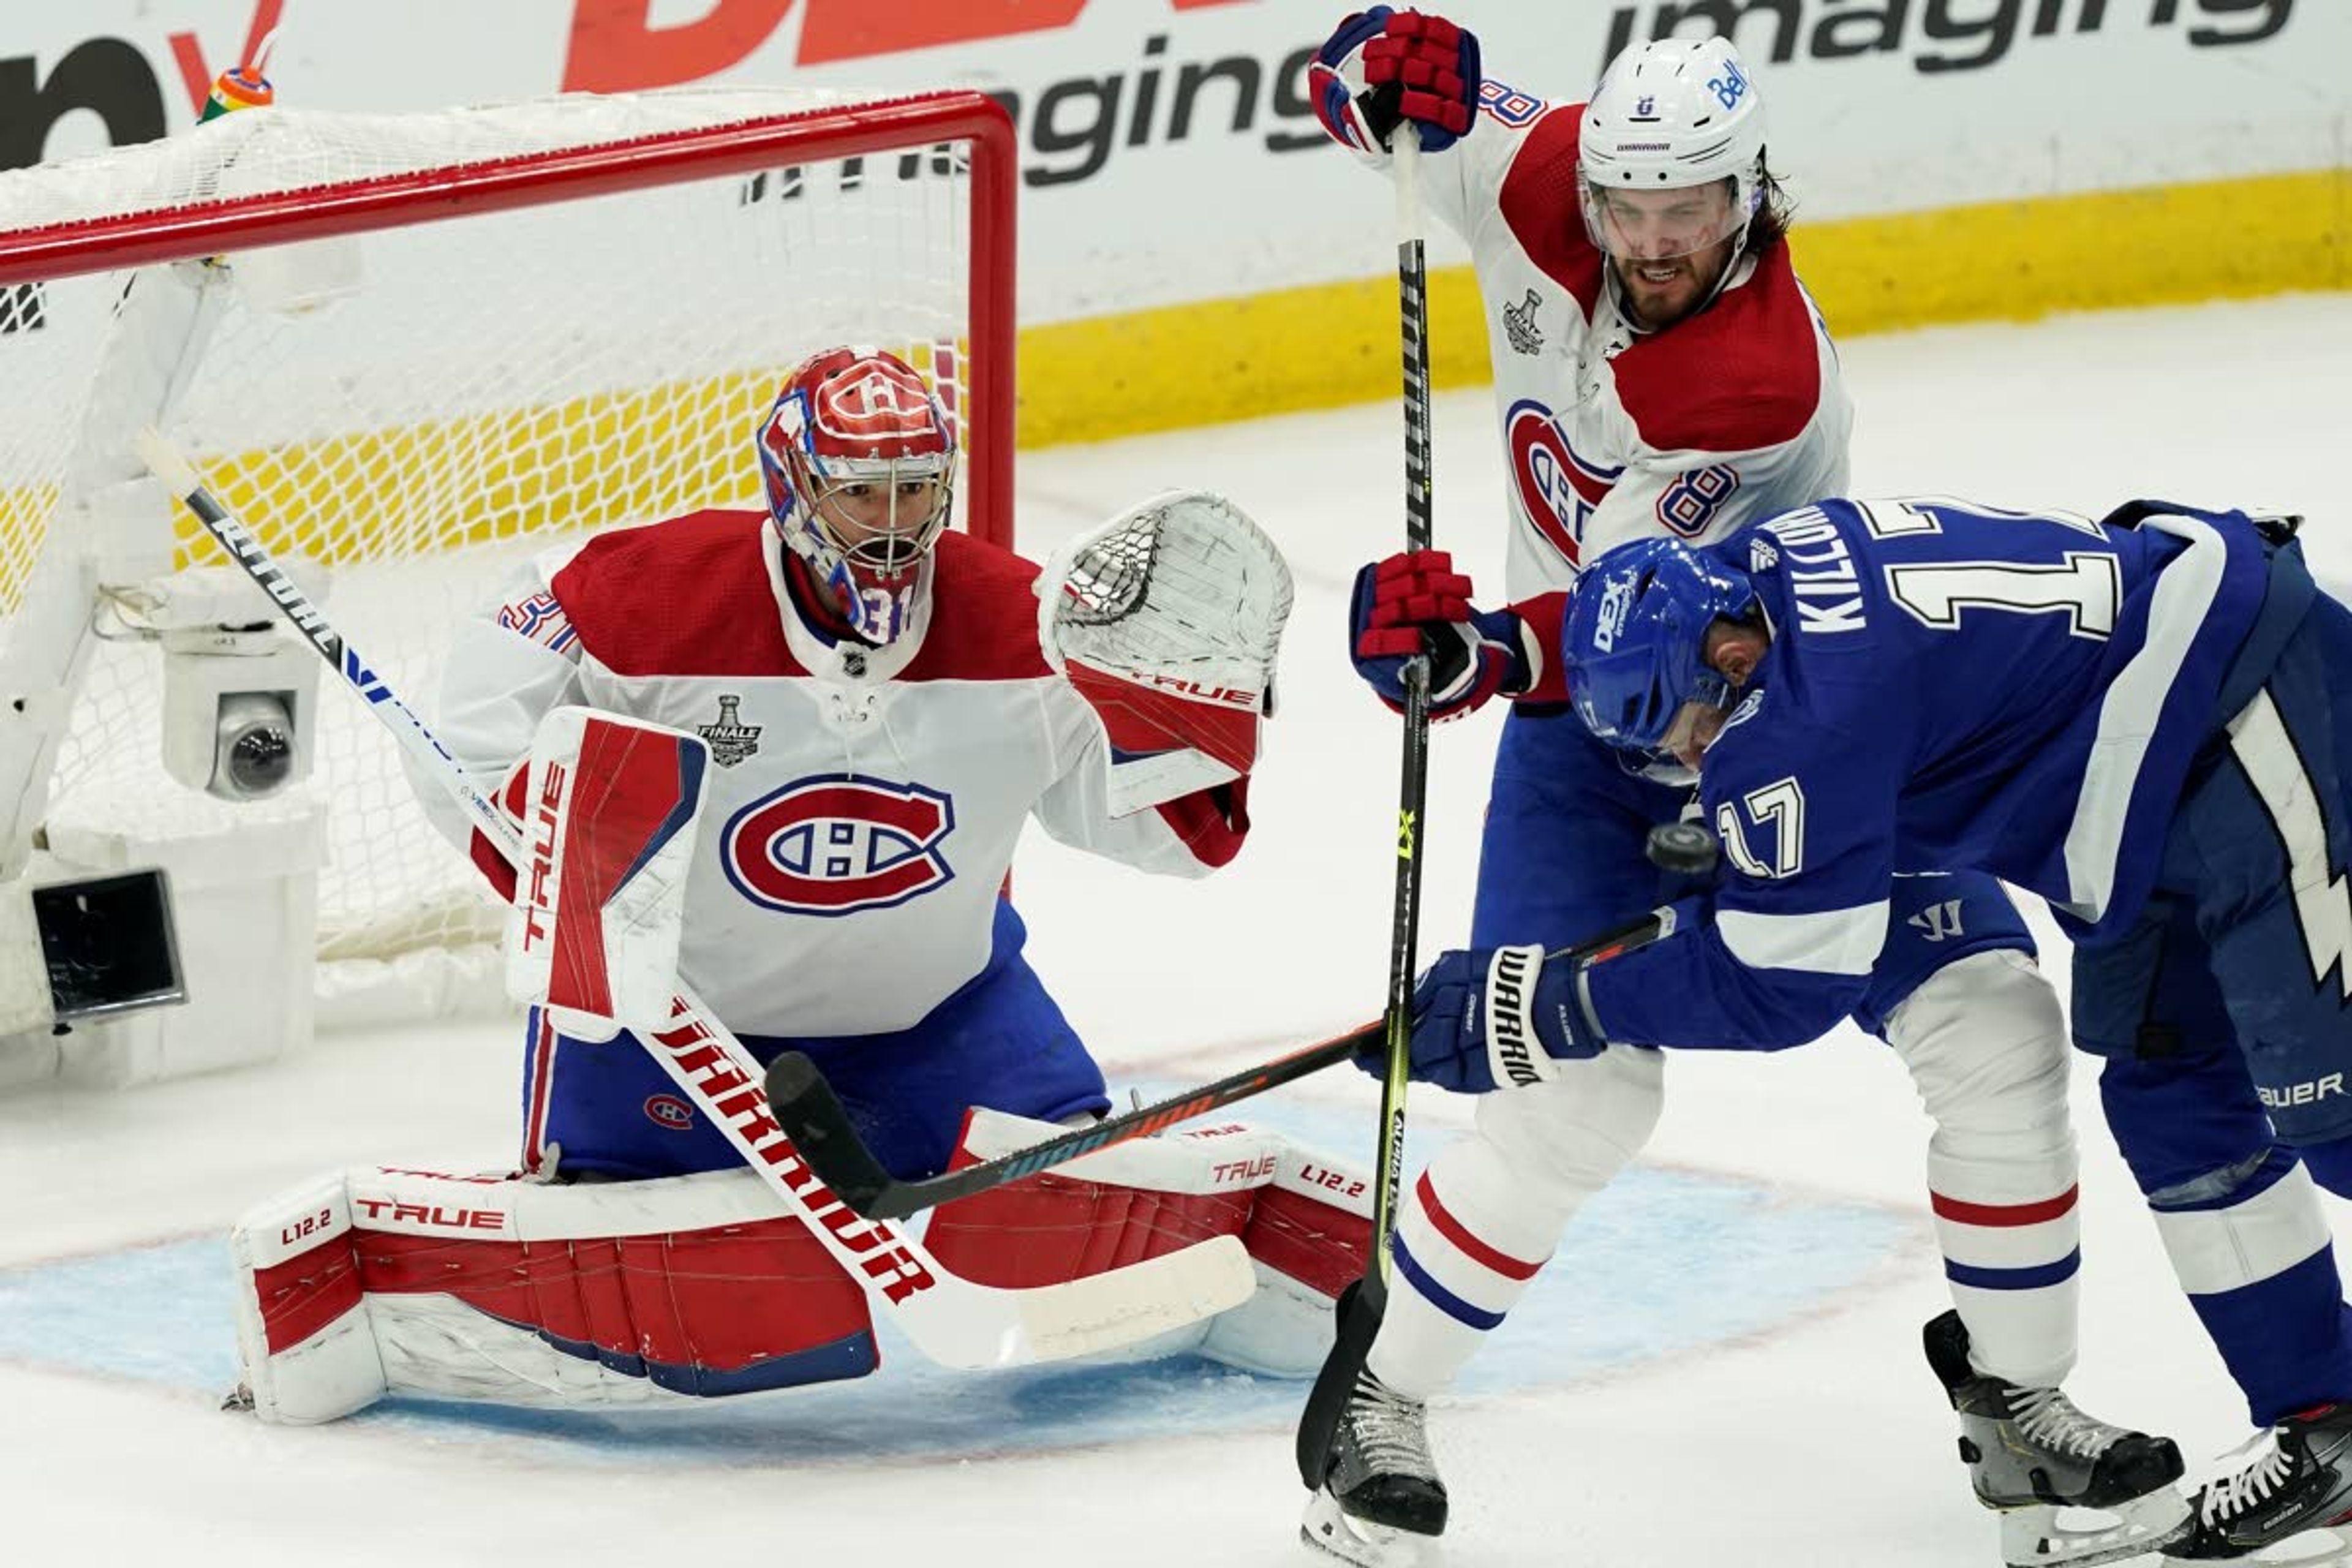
[{"x": 1684, "y": 848}]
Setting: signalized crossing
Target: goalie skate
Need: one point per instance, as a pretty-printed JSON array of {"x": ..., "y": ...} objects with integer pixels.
[
  {"x": 2030, "y": 1454},
  {"x": 2282, "y": 1504},
  {"x": 1380, "y": 1504}
]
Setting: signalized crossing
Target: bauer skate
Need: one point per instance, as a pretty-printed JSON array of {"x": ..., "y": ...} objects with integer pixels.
[
  {"x": 2293, "y": 1483},
  {"x": 1380, "y": 1504},
  {"x": 2029, "y": 1453}
]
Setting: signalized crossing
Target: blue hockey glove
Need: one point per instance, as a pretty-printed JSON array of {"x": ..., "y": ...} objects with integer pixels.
[
  {"x": 1416, "y": 603},
  {"x": 1497, "y": 1016},
  {"x": 1408, "y": 65}
]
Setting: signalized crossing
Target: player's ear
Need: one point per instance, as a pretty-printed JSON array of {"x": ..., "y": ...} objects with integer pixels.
[{"x": 1734, "y": 649}]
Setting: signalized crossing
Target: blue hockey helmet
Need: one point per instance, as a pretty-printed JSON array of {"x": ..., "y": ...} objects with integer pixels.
[{"x": 1636, "y": 636}]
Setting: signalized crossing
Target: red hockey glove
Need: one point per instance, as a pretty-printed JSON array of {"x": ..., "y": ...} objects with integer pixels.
[
  {"x": 1416, "y": 603},
  {"x": 1414, "y": 66}
]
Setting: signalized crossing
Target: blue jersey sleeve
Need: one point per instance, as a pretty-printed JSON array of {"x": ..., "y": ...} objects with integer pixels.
[{"x": 1803, "y": 798}]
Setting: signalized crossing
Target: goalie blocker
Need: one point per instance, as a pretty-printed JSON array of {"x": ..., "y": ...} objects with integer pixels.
[{"x": 601, "y": 1295}]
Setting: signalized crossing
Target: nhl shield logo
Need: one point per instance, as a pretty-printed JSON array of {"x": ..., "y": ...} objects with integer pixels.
[{"x": 731, "y": 739}]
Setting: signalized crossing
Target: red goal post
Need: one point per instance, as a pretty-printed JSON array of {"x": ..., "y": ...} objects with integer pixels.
[
  {"x": 412, "y": 349},
  {"x": 123, "y": 241}
]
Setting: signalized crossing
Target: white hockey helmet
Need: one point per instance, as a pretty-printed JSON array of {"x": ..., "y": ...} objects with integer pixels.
[{"x": 1671, "y": 114}]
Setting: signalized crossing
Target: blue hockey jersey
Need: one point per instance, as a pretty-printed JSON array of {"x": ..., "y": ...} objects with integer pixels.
[{"x": 1949, "y": 687}]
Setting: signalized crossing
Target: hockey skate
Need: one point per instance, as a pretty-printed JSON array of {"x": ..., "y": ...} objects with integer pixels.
[
  {"x": 2031, "y": 1453},
  {"x": 2278, "y": 1507},
  {"x": 1380, "y": 1504}
]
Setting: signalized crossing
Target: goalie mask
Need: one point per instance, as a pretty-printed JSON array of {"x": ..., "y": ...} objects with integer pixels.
[
  {"x": 1636, "y": 638},
  {"x": 859, "y": 464}
]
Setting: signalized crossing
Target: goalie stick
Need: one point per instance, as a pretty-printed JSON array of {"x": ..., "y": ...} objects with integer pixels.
[
  {"x": 812, "y": 1117},
  {"x": 954, "y": 1322}
]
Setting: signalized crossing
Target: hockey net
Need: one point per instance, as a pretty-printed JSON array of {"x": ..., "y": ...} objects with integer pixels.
[{"x": 443, "y": 342}]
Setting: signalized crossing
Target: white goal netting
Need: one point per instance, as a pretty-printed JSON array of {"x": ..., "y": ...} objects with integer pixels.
[{"x": 491, "y": 377}]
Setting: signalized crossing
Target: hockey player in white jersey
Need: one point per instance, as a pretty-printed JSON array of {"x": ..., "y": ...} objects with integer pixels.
[
  {"x": 1659, "y": 370},
  {"x": 884, "y": 703}
]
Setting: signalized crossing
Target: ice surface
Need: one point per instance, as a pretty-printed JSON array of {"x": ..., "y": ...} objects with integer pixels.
[{"x": 1721, "y": 1367}]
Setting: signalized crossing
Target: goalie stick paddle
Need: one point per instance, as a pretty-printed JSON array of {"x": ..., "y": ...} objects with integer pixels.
[
  {"x": 812, "y": 1117},
  {"x": 954, "y": 1322}
]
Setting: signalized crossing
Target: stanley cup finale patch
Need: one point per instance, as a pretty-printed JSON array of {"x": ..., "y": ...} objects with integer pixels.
[{"x": 729, "y": 738}]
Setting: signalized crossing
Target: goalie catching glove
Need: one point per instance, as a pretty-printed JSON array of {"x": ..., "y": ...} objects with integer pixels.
[
  {"x": 1168, "y": 619},
  {"x": 1495, "y": 1017}
]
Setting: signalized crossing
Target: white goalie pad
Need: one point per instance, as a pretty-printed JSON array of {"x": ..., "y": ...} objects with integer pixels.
[
  {"x": 610, "y": 812},
  {"x": 375, "y": 1281},
  {"x": 1304, "y": 1217},
  {"x": 1168, "y": 620}
]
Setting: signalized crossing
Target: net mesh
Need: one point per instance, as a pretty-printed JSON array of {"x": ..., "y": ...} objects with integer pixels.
[
  {"x": 494, "y": 384},
  {"x": 1107, "y": 581},
  {"x": 1185, "y": 587}
]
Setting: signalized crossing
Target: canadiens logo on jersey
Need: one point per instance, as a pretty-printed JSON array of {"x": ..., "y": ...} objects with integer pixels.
[
  {"x": 1557, "y": 489},
  {"x": 832, "y": 844},
  {"x": 731, "y": 740}
]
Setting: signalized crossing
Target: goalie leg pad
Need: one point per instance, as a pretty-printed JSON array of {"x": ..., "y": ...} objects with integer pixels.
[
  {"x": 1305, "y": 1219},
  {"x": 305, "y": 1340},
  {"x": 518, "y": 1292}
]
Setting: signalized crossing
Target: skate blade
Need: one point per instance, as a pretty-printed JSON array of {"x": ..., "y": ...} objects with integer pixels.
[
  {"x": 1327, "y": 1529},
  {"x": 2312, "y": 1549},
  {"x": 2043, "y": 1537}
]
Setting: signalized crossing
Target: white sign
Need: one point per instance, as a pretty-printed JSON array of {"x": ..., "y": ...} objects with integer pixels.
[{"x": 1170, "y": 152}]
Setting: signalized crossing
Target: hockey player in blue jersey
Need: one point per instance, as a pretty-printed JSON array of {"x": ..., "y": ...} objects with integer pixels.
[{"x": 2134, "y": 719}]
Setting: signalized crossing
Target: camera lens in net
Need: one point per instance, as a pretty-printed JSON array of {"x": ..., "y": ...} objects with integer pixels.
[
  {"x": 254, "y": 751},
  {"x": 261, "y": 760}
]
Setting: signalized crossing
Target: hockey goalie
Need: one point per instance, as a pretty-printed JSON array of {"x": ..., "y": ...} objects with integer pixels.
[{"x": 786, "y": 754}]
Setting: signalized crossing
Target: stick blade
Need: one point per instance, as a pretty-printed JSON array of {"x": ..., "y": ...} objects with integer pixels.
[
  {"x": 166, "y": 462},
  {"x": 1128, "y": 1305},
  {"x": 811, "y": 1116}
]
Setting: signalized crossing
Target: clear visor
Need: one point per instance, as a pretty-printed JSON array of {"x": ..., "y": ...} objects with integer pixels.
[
  {"x": 887, "y": 520},
  {"x": 1662, "y": 225},
  {"x": 1698, "y": 720}
]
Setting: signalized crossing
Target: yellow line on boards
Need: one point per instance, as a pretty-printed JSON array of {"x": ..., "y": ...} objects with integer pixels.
[{"x": 1330, "y": 344}]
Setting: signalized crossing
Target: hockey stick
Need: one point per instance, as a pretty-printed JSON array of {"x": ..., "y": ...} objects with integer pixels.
[
  {"x": 1413, "y": 786},
  {"x": 812, "y": 1117},
  {"x": 805, "y": 1107},
  {"x": 1360, "y": 1308},
  {"x": 954, "y": 1322}
]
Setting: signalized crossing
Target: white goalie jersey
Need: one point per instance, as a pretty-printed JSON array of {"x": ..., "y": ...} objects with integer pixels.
[{"x": 864, "y": 803}]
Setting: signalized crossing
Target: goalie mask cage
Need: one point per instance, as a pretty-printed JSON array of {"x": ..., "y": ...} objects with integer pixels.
[{"x": 411, "y": 350}]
